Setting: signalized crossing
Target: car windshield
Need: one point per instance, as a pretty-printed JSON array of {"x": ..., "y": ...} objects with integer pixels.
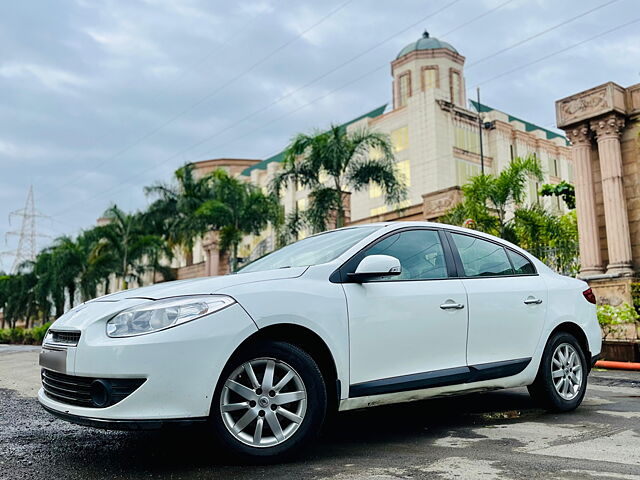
[{"x": 314, "y": 250}]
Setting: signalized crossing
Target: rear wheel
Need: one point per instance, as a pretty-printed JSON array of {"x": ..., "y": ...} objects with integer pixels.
[
  {"x": 562, "y": 377},
  {"x": 270, "y": 402}
]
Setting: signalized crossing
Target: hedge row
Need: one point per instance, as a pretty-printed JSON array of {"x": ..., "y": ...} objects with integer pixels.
[{"x": 24, "y": 336}]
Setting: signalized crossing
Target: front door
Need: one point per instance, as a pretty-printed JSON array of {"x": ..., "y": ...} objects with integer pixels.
[{"x": 408, "y": 331}]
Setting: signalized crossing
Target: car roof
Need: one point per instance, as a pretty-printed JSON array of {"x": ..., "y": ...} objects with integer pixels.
[{"x": 395, "y": 225}]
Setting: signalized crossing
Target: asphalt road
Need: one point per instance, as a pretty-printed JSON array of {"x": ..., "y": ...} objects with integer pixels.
[{"x": 497, "y": 435}]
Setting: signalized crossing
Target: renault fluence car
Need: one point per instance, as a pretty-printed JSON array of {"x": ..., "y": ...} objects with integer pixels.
[{"x": 346, "y": 319}]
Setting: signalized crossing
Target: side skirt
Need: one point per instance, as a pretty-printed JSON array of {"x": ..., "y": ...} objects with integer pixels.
[{"x": 440, "y": 378}]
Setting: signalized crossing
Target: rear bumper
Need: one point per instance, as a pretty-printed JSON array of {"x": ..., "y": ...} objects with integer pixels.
[{"x": 111, "y": 424}]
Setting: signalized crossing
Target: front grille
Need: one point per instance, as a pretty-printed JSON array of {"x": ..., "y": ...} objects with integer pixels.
[
  {"x": 87, "y": 391},
  {"x": 66, "y": 338}
]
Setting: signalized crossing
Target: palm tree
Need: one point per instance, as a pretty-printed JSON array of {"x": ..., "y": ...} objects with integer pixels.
[
  {"x": 236, "y": 209},
  {"x": 173, "y": 214},
  {"x": 127, "y": 242},
  {"x": 346, "y": 160},
  {"x": 4, "y": 296},
  {"x": 488, "y": 197},
  {"x": 17, "y": 297},
  {"x": 49, "y": 288},
  {"x": 70, "y": 261}
]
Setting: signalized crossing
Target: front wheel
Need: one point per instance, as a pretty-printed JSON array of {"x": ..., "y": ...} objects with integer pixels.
[
  {"x": 562, "y": 378},
  {"x": 270, "y": 402}
]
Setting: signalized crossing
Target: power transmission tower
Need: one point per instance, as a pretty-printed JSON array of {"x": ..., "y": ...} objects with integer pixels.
[{"x": 27, "y": 245}]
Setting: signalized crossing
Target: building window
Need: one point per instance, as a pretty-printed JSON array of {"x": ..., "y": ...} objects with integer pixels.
[
  {"x": 404, "y": 88},
  {"x": 404, "y": 168},
  {"x": 378, "y": 211},
  {"x": 400, "y": 139},
  {"x": 456, "y": 87},
  {"x": 511, "y": 151},
  {"x": 466, "y": 170},
  {"x": 430, "y": 77},
  {"x": 466, "y": 137},
  {"x": 375, "y": 191},
  {"x": 301, "y": 204}
]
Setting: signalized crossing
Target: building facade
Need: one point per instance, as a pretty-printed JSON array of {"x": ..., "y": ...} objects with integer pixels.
[
  {"x": 603, "y": 125},
  {"x": 435, "y": 134}
]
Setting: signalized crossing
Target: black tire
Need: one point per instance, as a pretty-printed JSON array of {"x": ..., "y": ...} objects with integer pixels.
[
  {"x": 316, "y": 402},
  {"x": 543, "y": 390}
]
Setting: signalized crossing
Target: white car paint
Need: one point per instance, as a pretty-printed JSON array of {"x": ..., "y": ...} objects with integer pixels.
[{"x": 373, "y": 331}]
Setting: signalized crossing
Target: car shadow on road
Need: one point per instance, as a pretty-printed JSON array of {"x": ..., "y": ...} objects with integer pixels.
[{"x": 350, "y": 436}]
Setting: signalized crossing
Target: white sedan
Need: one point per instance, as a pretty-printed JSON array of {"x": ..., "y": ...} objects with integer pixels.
[{"x": 350, "y": 318}]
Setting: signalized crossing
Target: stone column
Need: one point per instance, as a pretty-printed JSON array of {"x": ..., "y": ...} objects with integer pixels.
[
  {"x": 212, "y": 254},
  {"x": 590, "y": 256},
  {"x": 608, "y": 130}
]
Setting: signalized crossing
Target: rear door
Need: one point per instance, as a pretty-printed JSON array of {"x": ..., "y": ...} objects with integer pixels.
[{"x": 507, "y": 301}]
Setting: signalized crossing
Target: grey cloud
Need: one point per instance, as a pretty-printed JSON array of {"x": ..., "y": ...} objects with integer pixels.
[{"x": 80, "y": 81}]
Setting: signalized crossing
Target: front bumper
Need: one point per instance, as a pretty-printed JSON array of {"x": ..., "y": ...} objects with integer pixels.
[{"x": 180, "y": 365}]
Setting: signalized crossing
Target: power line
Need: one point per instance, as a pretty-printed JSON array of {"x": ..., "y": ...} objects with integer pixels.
[
  {"x": 557, "y": 52},
  {"x": 539, "y": 34},
  {"x": 357, "y": 79},
  {"x": 278, "y": 100},
  {"x": 191, "y": 66},
  {"x": 212, "y": 94}
]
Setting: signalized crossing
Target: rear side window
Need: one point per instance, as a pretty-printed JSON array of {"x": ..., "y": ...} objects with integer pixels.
[
  {"x": 481, "y": 258},
  {"x": 521, "y": 265}
]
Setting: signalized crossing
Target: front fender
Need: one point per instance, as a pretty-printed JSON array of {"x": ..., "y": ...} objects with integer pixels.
[{"x": 319, "y": 306}]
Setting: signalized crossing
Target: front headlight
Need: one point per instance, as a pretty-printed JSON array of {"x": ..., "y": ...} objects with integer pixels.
[{"x": 160, "y": 314}]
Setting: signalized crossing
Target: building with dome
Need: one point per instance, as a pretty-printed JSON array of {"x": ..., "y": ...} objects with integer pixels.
[{"x": 435, "y": 134}]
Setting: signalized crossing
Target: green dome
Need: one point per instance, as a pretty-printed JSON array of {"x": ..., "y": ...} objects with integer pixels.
[{"x": 426, "y": 43}]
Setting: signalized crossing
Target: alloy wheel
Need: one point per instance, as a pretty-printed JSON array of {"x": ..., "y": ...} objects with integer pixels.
[
  {"x": 566, "y": 371},
  {"x": 263, "y": 402}
]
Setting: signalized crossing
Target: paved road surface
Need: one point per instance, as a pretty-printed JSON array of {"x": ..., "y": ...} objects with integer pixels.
[{"x": 498, "y": 435}]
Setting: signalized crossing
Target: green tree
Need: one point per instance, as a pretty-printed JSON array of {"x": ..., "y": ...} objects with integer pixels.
[
  {"x": 494, "y": 204},
  {"x": 330, "y": 164},
  {"x": 125, "y": 240},
  {"x": 49, "y": 288},
  {"x": 562, "y": 189},
  {"x": 236, "y": 209},
  {"x": 17, "y": 296},
  {"x": 173, "y": 214},
  {"x": 488, "y": 198}
]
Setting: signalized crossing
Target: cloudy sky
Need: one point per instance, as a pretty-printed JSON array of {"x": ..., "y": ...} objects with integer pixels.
[{"x": 98, "y": 99}]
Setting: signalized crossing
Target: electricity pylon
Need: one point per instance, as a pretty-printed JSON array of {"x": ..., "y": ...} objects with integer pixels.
[{"x": 27, "y": 235}]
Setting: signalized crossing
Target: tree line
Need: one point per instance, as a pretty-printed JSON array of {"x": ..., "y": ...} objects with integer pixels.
[{"x": 132, "y": 246}]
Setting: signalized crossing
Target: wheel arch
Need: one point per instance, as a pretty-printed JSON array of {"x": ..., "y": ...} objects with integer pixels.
[
  {"x": 310, "y": 342},
  {"x": 577, "y": 331}
]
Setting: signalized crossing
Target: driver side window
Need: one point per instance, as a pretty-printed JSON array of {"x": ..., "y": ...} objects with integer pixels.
[{"x": 419, "y": 251}]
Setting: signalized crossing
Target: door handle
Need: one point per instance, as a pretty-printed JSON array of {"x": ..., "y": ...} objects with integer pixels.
[
  {"x": 532, "y": 301},
  {"x": 451, "y": 306}
]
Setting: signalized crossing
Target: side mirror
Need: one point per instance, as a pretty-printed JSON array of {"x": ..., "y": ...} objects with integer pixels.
[{"x": 376, "y": 266}]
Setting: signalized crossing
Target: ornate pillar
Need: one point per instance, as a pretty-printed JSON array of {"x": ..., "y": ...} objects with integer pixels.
[
  {"x": 211, "y": 254},
  {"x": 608, "y": 130},
  {"x": 590, "y": 256}
]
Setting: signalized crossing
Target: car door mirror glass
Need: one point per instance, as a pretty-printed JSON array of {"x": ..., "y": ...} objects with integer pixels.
[{"x": 373, "y": 266}]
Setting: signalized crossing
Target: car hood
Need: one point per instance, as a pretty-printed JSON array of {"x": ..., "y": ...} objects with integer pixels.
[{"x": 200, "y": 286}]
